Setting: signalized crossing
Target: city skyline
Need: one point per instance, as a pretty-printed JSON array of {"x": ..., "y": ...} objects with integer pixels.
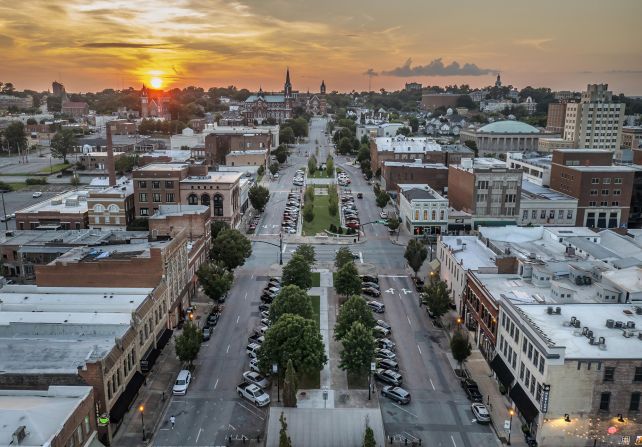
[{"x": 94, "y": 45}]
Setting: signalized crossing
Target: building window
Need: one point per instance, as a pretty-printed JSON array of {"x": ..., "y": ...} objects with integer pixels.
[
  {"x": 617, "y": 192},
  {"x": 156, "y": 197},
  {"x": 156, "y": 184},
  {"x": 534, "y": 214},
  {"x": 616, "y": 203},
  {"x": 593, "y": 192},
  {"x": 434, "y": 215},
  {"x": 87, "y": 425},
  {"x": 142, "y": 184},
  {"x": 595, "y": 181},
  {"x": 218, "y": 205},
  {"x": 524, "y": 345},
  {"x": 542, "y": 214},
  {"x": 169, "y": 197},
  {"x": 169, "y": 184},
  {"x": 634, "y": 405},
  {"x": 541, "y": 365},
  {"x": 530, "y": 352},
  {"x": 521, "y": 370},
  {"x": 605, "y": 192},
  {"x": 525, "y": 215},
  {"x": 617, "y": 181},
  {"x": 605, "y": 401},
  {"x": 144, "y": 211},
  {"x": 142, "y": 197},
  {"x": 637, "y": 377},
  {"x": 606, "y": 180},
  {"x": 192, "y": 199},
  {"x": 426, "y": 215}
]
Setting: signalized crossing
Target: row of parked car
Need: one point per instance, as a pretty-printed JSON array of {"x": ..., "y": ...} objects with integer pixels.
[
  {"x": 349, "y": 211},
  {"x": 343, "y": 179},
  {"x": 298, "y": 178},
  {"x": 290, "y": 220},
  {"x": 254, "y": 222}
]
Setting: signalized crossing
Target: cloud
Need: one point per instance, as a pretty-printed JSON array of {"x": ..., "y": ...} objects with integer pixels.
[
  {"x": 370, "y": 72},
  {"x": 537, "y": 43},
  {"x": 124, "y": 45},
  {"x": 5, "y": 41},
  {"x": 437, "y": 68}
]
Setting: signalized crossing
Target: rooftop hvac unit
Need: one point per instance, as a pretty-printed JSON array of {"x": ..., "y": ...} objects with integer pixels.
[
  {"x": 578, "y": 281},
  {"x": 638, "y": 310},
  {"x": 549, "y": 310},
  {"x": 558, "y": 310},
  {"x": 601, "y": 341},
  {"x": 591, "y": 340},
  {"x": 640, "y": 335},
  {"x": 619, "y": 325},
  {"x": 630, "y": 324},
  {"x": 578, "y": 323},
  {"x": 573, "y": 320},
  {"x": 610, "y": 323},
  {"x": 585, "y": 330},
  {"x": 589, "y": 334},
  {"x": 19, "y": 435},
  {"x": 628, "y": 334}
]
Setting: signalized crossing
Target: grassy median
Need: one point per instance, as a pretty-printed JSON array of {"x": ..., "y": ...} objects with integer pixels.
[{"x": 322, "y": 217}]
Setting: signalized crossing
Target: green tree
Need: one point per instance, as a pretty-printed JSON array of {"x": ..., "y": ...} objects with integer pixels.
[
  {"x": 312, "y": 165},
  {"x": 15, "y": 136},
  {"x": 333, "y": 200},
  {"x": 382, "y": 199},
  {"x": 393, "y": 223},
  {"x": 472, "y": 144},
  {"x": 290, "y": 386},
  {"x": 405, "y": 131},
  {"x": 416, "y": 253},
  {"x": 274, "y": 168},
  {"x": 342, "y": 257},
  {"x": 363, "y": 154},
  {"x": 282, "y": 157},
  {"x": 353, "y": 310},
  {"x": 460, "y": 347},
  {"x": 329, "y": 165},
  {"x": 216, "y": 227},
  {"x": 309, "y": 194},
  {"x": 260, "y": 171},
  {"x": 284, "y": 439},
  {"x": 75, "y": 180},
  {"x": 369, "y": 438},
  {"x": 293, "y": 338},
  {"x": 307, "y": 252},
  {"x": 347, "y": 281},
  {"x": 358, "y": 349},
  {"x": 308, "y": 212},
  {"x": 125, "y": 163},
  {"x": 414, "y": 124},
  {"x": 291, "y": 300},
  {"x": 188, "y": 343},
  {"x": 216, "y": 279},
  {"x": 286, "y": 135},
  {"x": 63, "y": 143},
  {"x": 437, "y": 297},
  {"x": 297, "y": 272},
  {"x": 259, "y": 197},
  {"x": 231, "y": 248},
  {"x": 344, "y": 146}
]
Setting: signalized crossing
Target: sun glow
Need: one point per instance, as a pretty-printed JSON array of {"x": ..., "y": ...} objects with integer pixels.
[{"x": 156, "y": 82}]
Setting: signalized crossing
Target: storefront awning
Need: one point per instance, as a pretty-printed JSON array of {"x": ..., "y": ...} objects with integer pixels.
[
  {"x": 434, "y": 265},
  {"x": 149, "y": 359},
  {"x": 502, "y": 371},
  {"x": 126, "y": 398},
  {"x": 523, "y": 402},
  {"x": 164, "y": 338}
]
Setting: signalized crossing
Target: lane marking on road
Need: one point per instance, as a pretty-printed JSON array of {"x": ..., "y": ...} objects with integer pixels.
[
  {"x": 232, "y": 427},
  {"x": 228, "y": 349},
  {"x": 237, "y": 319},
  {"x": 254, "y": 413},
  {"x": 393, "y": 276},
  {"x": 453, "y": 440},
  {"x": 246, "y": 294},
  {"x": 403, "y": 409},
  {"x": 433, "y": 385},
  {"x": 216, "y": 384},
  {"x": 408, "y": 318},
  {"x": 200, "y": 430},
  {"x": 361, "y": 257},
  {"x": 252, "y": 277},
  {"x": 420, "y": 353},
  {"x": 284, "y": 246}
]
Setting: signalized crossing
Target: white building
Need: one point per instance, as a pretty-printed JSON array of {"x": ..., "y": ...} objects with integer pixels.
[
  {"x": 536, "y": 167},
  {"x": 422, "y": 210},
  {"x": 529, "y": 105},
  {"x": 193, "y": 139},
  {"x": 544, "y": 206},
  {"x": 596, "y": 121}
]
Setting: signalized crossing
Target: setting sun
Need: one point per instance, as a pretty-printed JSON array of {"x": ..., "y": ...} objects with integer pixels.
[{"x": 156, "y": 82}]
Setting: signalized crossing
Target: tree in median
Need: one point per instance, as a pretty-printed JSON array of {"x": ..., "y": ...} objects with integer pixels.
[
  {"x": 382, "y": 199},
  {"x": 312, "y": 165},
  {"x": 306, "y": 251},
  {"x": 308, "y": 212},
  {"x": 284, "y": 439},
  {"x": 353, "y": 310},
  {"x": 293, "y": 338},
  {"x": 347, "y": 281},
  {"x": 260, "y": 171},
  {"x": 63, "y": 143},
  {"x": 416, "y": 253},
  {"x": 460, "y": 347},
  {"x": 343, "y": 257},
  {"x": 188, "y": 343},
  {"x": 437, "y": 297},
  {"x": 216, "y": 279},
  {"x": 15, "y": 136},
  {"x": 393, "y": 223},
  {"x": 291, "y": 300},
  {"x": 290, "y": 386},
  {"x": 358, "y": 349},
  {"x": 329, "y": 165},
  {"x": 274, "y": 168},
  {"x": 297, "y": 272},
  {"x": 369, "y": 438},
  {"x": 259, "y": 197},
  {"x": 231, "y": 248}
]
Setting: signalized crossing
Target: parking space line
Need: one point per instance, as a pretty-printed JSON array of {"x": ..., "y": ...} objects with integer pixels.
[
  {"x": 238, "y": 317},
  {"x": 246, "y": 294},
  {"x": 403, "y": 409},
  {"x": 408, "y": 318},
  {"x": 228, "y": 349},
  {"x": 453, "y": 440},
  {"x": 420, "y": 353},
  {"x": 216, "y": 384},
  {"x": 200, "y": 430},
  {"x": 433, "y": 385},
  {"x": 361, "y": 257},
  {"x": 284, "y": 246},
  {"x": 255, "y": 414}
]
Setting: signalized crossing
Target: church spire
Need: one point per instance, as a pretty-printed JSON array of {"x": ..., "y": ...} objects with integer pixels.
[
  {"x": 287, "y": 88},
  {"x": 322, "y": 91}
]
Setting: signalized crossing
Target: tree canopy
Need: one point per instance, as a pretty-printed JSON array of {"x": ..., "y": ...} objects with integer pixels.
[
  {"x": 259, "y": 197},
  {"x": 215, "y": 278},
  {"x": 291, "y": 300},
  {"x": 342, "y": 257},
  {"x": 358, "y": 349},
  {"x": 460, "y": 346},
  {"x": 437, "y": 297},
  {"x": 382, "y": 199},
  {"x": 216, "y": 227},
  {"x": 353, "y": 310},
  {"x": 231, "y": 248},
  {"x": 347, "y": 281},
  {"x": 188, "y": 343},
  {"x": 62, "y": 143},
  {"x": 416, "y": 253},
  {"x": 290, "y": 386},
  {"x": 307, "y": 252},
  {"x": 297, "y": 271}
]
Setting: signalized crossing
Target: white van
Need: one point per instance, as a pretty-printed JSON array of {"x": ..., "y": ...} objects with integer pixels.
[
  {"x": 182, "y": 382},
  {"x": 253, "y": 350}
]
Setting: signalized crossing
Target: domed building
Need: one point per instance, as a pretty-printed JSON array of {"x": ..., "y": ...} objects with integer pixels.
[{"x": 503, "y": 136}]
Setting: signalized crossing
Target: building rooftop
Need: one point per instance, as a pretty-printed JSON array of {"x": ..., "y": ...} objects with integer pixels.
[
  {"x": 628, "y": 279},
  {"x": 248, "y": 152},
  {"x": 70, "y": 237},
  {"x": 402, "y": 144},
  {"x": 122, "y": 188},
  {"x": 612, "y": 168},
  {"x": 557, "y": 331},
  {"x": 42, "y": 412},
  {"x": 178, "y": 210},
  {"x": 214, "y": 177},
  {"x": 579, "y": 150},
  {"x": 163, "y": 167},
  {"x": 534, "y": 191},
  {"x": 533, "y": 158},
  {"x": 109, "y": 252},
  {"x": 415, "y": 164},
  {"x": 266, "y": 98},
  {"x": 508, "y": 127},
  {"x": 175, "y": 155},
  {"x": 67, "y": 203},
  {"x": 423, "y": 193},
  {"x": 471, "y": 253}
]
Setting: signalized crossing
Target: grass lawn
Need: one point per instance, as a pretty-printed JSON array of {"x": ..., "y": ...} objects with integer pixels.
[
  {"x": 316, "y": 279},
  {"x": 319, "y": 174},
  {"x": 312, "y": 381},
  {"x": 322, "y": 218},
  {"x": 55, "y": 168},
  {"x": 358, "y": 382},
  {"x": 17, "y": 186}
]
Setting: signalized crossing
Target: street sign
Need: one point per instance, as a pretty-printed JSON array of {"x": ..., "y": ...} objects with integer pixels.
[
  {"x": 373, "y": 366},
  {"x": 545, "y": 394},
  {"x": 507, "y": 425},
  {"x": 275, "y": 368}
]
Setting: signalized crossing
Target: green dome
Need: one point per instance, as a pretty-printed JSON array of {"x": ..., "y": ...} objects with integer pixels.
[{"x": 507, "y": 126}]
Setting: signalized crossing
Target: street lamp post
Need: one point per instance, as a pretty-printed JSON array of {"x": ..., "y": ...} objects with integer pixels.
[
  {"x": 511, "y": 412},
  {"x": 275, "y": 370},
  {"x": 141, "y": 409},
  {"x": 4, "y": 211}
]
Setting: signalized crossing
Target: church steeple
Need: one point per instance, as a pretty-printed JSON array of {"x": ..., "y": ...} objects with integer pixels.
[
  {"x": 498, "y": 82},
  {"x": 322, "y": 90},
  {"x": 287, "y": 88}
]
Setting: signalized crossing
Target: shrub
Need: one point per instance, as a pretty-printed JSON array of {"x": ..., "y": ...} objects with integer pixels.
[
  {"x": 333, "y": 228},
  {"x": 339, "y": 230},
  {"x": 308, "y": 212},
  {"x": 36, "y": 181}
]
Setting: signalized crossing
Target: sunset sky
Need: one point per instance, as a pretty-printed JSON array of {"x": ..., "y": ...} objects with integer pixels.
[{"x": 91, "y": 45}]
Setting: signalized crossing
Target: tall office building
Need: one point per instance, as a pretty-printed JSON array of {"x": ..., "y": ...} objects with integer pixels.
[{"x": 596, "y": 121}]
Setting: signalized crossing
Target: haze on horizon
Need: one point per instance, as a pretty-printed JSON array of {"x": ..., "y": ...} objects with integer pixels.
[{"x": 97, "y": 44}]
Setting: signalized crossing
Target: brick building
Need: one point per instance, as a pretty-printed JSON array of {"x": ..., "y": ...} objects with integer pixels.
[
  {"x": 257, "y": 157},
  {"x": 63, "y": 212},
  {"x": 603, "y": 190},
  {"x": 632, "y": 138},
  {"x": 219, "y": 190},
  {"x": 112, "y": 207},
  {"x": 97, "y": 161},
  {"x": 219, "y": 145},
  {"x": 487, "y": 189},
  {"x": 76, "y": 109},
  {"x": 434, "y": 175},
  {"x": 556, "y": 116},
  {"x": 431, "y": 101}
]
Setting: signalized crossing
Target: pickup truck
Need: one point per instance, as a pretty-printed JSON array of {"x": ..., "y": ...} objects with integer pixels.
[
  {"x": 256, "y": 338},
  {"x": 471, "y": 389},
  {"x": 253, "y": 393}
]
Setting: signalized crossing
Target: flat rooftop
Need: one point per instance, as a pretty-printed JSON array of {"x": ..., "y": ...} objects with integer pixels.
[
  {"x": 614, "y": 168},
  {"x": 70, "y": 202},
  {"x": 178, "y": 210},
  {"x": 401, "y": 144},
  {"x": 42, "y": 412},
  {"x": 214, "y": 177},
  {"x": 121, "y": 188},
  {"x": 470, "y": 252},
  {"x": 594, "y": 316},
  {"x": 106, "y": 252},
  {"x": 403, "y": 164},
  {"x": 163, "y": 167},
  {"x": 534, "y": 191},
  {"x": 248, "y": 152},
  {"x": 70, "y": 237}
]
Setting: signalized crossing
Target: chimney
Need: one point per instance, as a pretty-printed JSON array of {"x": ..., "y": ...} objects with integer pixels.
[{"x": 111, "y": 167}]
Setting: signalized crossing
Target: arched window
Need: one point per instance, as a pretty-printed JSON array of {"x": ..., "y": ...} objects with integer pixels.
[
  {"x": 114, "y": 209},
  {"x": 434, "y": 215},
  {"x": 425, "y": 215},
  {"x": 192, "y": 199},
  {"x": 98, "y": 208},
  {"x": 416, "y": 214},
  {"x": 218, "y": 205},
  {"x": 205, "y": 200},
  {"x": 441, "y": 215}
]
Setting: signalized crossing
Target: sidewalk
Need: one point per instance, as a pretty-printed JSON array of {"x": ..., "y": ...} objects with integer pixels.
[{"x": 498, "y": 404}]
